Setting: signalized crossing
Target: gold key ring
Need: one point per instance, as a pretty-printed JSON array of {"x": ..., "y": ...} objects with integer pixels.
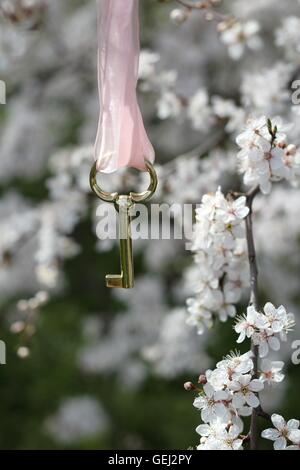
[
  {"x": 135, "y": 197},
  {"x": 123, "y": 204}
]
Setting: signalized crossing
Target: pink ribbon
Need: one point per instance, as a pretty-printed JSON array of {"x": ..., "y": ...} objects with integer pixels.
[{"x": 121, "y": 138}]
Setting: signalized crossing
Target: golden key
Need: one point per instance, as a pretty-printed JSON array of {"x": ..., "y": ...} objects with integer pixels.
[
  {"x": 126, "y": 278},
  {"x": 123, "y": 205}
]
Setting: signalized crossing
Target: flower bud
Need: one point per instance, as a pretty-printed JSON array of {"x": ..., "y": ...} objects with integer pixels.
[
  {"x": 189, "y": 386},
  {"x": 202, "y": 379},
  {"x": 42, "y": 297},
  {"x": 291, "y": 149},
  {"x": 222, "y": 26},
  {"x": 209, "y": 16},
  {"x": 23, "y": 352},
  {"x": 17, "y": 327},
  {"x": 26, "y": 12},
  {"x": 282, "y": 143},
  {"x": 178, "y": 16}
]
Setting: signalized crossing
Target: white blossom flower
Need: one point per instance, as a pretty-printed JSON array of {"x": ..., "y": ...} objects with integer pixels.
[
  {"x": 271, "y": 371},
  {"x": 199, "y": 111},
  {"x": 269, "y": 159},
  {"x": 264, "y": 156},
  {"x": 179, "y": 15},
  {"x": 233, "y": 211},
  {"x": 147, "y": 64},
  {"x": 236, "y": 363},
  {"x": 282, "y": 431},
  {"x": 217, "y": 436},
  {"x": 169, "y": 105},
  {"x": 244, "y": 388},
  {"x": 266, "y": 340},
  {"x": 198, "y": 316},
  {"x": 229, "y": 369},
  {"x": 263, "y": 327},
  {"x": 218, "y": 378},
  {"x": 228, "y": 110},
  {"x": 176, "y": 348},
  {"x": 213, "y": 404},
  {"x": 239, "y": 35},
  {"x": 247, "y": 325},
  {"x": 288, "y": 36},
  {"x": 266, "y": 91},
  {"x": 219, "y": 254},
  {"x": 276, "y": 317},
  {"x": 76, "y": 419},
  {"x": 254, "y": 128}
]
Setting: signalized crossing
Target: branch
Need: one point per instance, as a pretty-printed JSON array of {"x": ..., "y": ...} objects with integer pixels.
[
  {"x": 196, "y": 5},
  {"x": 260, "y": 412},
  {"x": 251, "y": 249},
  {"x": 253, "y": 300},
  {"x": 204, "y": 5}
]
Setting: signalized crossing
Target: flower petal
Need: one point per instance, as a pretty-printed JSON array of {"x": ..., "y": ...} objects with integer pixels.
[
  {"x": 280, "y": 443},
  {"x": 203, "y": 429},
  {"x": 294, "y": 436},
  {"x": 263, "y": 349},
  {"x": 293, "y": 424},
  {"x": 278, "y": 421},
  {"x": 252, "y": 400},
  {"x": 269, "y": 309},
  {"x": 274, "y": 343},
  {"x": 256, "y": 385},
  {"x": 271, "y": 434}
]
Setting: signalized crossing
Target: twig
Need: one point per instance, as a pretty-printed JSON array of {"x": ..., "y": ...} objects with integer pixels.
[
  {"x": 253, "y": 301},
  {"x": 260, "y": 412},
  {"x": 206, "y": 5},
  {"x": 251, "y": 249},
  {"x": 195, "y": 5}
]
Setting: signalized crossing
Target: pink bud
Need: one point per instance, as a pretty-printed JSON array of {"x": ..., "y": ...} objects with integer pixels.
[
  {"x": 291, "y": 149},
  {"x": 179, "y": 15},
  {"x": 188, "y": 386},
  {"x": 202, "y": 379}
]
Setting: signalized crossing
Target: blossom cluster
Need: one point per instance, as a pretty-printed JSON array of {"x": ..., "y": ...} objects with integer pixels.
[
  {"x": 221, "y": 271},
  {"x": 77, "y": 418},
  {"x": 162, "y": 83},
  {"x": 238, "y": 36},
  {"x": 205, "y": 112},
  {"x": 265, "y": 154},
  {"x": 202, "y": 111},
  {"x": 272, "y": 99},
  {"x": 265, "y": 329},
  {"x": 231, "y": 391},
  {"x": 24, "y": 324},
  {"x": 288, "y": 36}
]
